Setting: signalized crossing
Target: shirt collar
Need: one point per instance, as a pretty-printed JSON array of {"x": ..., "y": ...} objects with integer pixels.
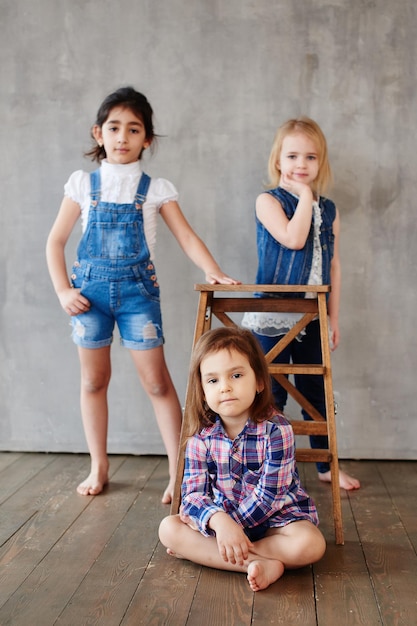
[{"x": 129, "y": 169}]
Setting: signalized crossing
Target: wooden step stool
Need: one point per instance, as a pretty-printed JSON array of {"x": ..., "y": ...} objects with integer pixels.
[{"x": 219, "y": 306}]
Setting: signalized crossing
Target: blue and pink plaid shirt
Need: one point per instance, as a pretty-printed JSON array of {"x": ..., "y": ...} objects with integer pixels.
[{"x": 253, "y": 478}]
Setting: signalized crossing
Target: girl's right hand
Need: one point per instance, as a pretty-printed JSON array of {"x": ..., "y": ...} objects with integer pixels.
[
  {"x": 232, "y": 543},
  {"x": 294, "y": 186},
  {"x": 73, "y": 302}
]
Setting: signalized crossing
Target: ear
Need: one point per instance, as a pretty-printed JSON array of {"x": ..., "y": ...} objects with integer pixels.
[
  {"x": 260, "y": 387},
  {"x": 97, "y": 134},
  {"x": 147, "y": 143}
]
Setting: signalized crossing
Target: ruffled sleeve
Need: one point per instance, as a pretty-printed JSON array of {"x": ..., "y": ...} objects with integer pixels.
[
  {"x": 78, "y": 187},
  {"x": 162, "y": 191}
]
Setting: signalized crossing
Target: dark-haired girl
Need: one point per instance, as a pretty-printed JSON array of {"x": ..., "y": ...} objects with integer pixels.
[{"x": 114, "y": 280}]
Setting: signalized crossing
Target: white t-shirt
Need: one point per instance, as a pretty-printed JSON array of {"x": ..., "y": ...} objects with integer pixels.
[{"x": 119, "y": 184}]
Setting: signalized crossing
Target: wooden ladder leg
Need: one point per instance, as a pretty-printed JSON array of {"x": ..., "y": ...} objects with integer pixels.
[
  {"x": 203, "y": 323},
  {"x": 331, "y": 420}
]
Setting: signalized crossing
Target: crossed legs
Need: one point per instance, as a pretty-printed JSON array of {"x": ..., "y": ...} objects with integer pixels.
[{"x": 296, "y": 545}]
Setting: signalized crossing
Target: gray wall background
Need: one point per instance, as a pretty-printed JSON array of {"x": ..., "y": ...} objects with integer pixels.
[{"x": 221, "y": 76}]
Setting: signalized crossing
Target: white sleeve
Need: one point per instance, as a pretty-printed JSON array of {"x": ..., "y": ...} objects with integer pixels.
[
  {"x": 78, "y": 188},
  {"x": 162, "y": 191}
]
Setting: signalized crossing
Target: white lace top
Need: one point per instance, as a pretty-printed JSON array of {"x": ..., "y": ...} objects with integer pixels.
[
  {"x": 119, "y": 184},
  {"x": 275, "y": 324}
]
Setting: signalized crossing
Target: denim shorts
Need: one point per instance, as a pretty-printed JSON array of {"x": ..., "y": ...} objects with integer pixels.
[{"x": 128, "y": 297}]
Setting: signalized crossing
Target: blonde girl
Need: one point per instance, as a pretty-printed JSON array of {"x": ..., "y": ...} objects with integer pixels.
[{"x": 298, "y": 244}]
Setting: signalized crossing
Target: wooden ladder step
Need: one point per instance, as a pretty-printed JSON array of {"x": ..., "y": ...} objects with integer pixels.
[
  {"x": 308, "y": 455},
  {"x": 296, "y": 368},
  {"x": 307, "y": 427}
]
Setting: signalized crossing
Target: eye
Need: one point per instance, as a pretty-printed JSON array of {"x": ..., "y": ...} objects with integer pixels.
[
  {"x": 312, "y": 157},
  {"x": 211, "y": 381},
  {"x": 112, "y": 129},
  {"x": 237, "y": 375}
]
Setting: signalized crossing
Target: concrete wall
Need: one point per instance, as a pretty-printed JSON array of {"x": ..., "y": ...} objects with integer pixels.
[{"x": 221, "y": 76}]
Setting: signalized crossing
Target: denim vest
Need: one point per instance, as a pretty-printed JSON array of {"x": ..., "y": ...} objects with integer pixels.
[{"x": 279, "y": 265}]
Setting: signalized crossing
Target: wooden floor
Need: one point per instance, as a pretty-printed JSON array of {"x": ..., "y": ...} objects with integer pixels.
[{"x": 73, "y": 560}]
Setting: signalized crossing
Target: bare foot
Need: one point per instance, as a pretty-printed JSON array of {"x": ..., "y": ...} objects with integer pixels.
[
  {"x": 263, "y": 573},
  {"x": 345, "y": 480},
  {"x": 172, "y": 553},
  {"x": 94, "y": 483},
  {"x": 168, "y": 493}
]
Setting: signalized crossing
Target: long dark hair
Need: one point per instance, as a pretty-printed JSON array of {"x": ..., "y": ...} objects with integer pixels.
[{"x": 127, "y": 98}]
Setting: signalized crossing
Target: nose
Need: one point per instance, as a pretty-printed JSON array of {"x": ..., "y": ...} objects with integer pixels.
[
  {"x": 225, "y": 385},
  {"x": 122, "y": 137}
]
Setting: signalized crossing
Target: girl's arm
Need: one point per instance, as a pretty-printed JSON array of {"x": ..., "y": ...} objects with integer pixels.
[
  {"x": 291, "y": 233},
  {"x": 71, "y": 300},
  {"x": 192, "y": 245},
  {"x": 197, "y": 506},
  {"x": 335, "y": 281},
  {"x": 199, "y": 511}
]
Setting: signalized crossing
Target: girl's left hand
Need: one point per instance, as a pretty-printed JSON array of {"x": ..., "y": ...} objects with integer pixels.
[
  {"x": 334, "y": 335},
  {"x": 218, "y": 278},
  {"x": 186, "y": 519}
]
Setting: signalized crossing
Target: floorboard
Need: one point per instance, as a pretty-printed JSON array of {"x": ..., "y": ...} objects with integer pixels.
[{"x": 71, "y": 560}]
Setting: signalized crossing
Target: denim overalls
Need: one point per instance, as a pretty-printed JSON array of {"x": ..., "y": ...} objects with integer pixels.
[{"x": 115, "y": 273}]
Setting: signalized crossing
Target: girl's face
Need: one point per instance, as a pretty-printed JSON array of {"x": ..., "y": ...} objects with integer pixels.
[
  {"x": 123, "y": 136},
  {"x": 229, "y": 385},
  {"x": 299, "y": 159}
]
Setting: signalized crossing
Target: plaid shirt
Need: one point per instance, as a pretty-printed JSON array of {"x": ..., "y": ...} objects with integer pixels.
[{"x": 253, "y": 478}]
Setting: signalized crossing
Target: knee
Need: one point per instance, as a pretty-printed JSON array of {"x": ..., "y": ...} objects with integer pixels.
[
  {"x": 313, "y": 545},
  {"x": 168, "y": 529},
  {"x": 156, "y": 386},
  {"x": 95, "y": 383}
]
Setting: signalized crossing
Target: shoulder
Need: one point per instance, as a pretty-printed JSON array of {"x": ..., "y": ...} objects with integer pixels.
[
  {"x": 328, "y": 205},
  {"x": 78, "y": 186},
  {"x": 279, "y": 193},
  {"x": 280, "y": 428},
  {"x": 162, "y": 191}
]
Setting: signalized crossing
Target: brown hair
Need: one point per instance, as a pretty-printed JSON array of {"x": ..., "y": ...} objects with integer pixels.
[
  {"x": 227, "y": 338},
  {"x": 310, "y": 128}
]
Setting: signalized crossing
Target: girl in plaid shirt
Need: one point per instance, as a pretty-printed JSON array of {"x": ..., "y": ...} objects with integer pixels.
[{"x": 243, "y": 508}]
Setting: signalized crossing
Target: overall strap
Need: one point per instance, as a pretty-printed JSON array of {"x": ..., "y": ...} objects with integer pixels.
[
  {"x": 142, "y": 190},
  {"x": 95, "y": 184}
]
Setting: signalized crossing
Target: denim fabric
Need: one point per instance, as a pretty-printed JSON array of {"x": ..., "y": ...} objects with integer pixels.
[
  {"x": 311, "y": 386},
  {"x": 115, "y": 273},
  {"x": 278, "y": 265}
]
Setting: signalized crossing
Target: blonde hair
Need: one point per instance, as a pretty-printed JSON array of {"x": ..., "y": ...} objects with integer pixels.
[
  {"x": 310, "y": 128},
  {"x": 227, "y": 338}
]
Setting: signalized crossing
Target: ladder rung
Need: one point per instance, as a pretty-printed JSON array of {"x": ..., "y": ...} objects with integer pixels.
[
  {"x": 291, "y": 368},
  {"x": 307, "y": 455},
  {"x": 307, "y": 427}
]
